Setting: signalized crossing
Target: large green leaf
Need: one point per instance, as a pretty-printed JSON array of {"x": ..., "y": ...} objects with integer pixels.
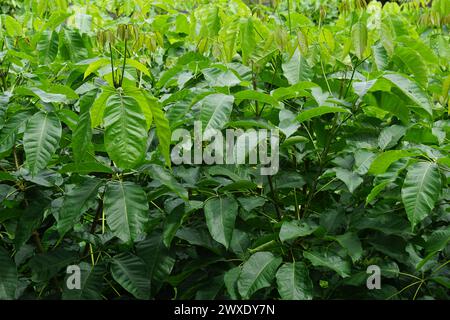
[
  {"x": 215, "y": 112},
  {"x": 131, "y": 273},
  {"x": 420, "y": 190},
  {"x": 413, "y": 61},
  {"x": 76, "y": 202},
  {"x": 438, "y": 240},
  {"x": 382, "y": 162},
  {"x": 94, "y": 66},
  {"x": 293, "y": 282},
  {"x": 247, "y": 39},
  {"x": 8, "y": 276},
  {"x": 82, "y": 135},
  {"x": 230, "y": 279},
  {"x": 359, "y": 38},
  {"x": 40, "y": 140},
  {"x": 46, "y": 265},
  {"x": 351, "y": 243},
  {"x": 220, "y": 216},
  {"x": 294, "y": 91},
  {"x": 294, "y": 229},
  {"x": 257, "y": 272},
  {"x": 125, "y": 131},
  {"x": 254, "y": 95},
  {"x": 318, "y": 111},
  {"x": 297, "y": 69},
  {"x": 411, "y": 90},
  {"x": 329, "y": 260},
  {"x": 47, "y": 46},
  {"x": 98, "y": 107},
  {"x": 158, "y": 259},
  {"x": 126, "y": 209},
  {"x": 12, "y": 26},
  {"x": 9, "y": 131},
  {"x": 162, "y": 127}
]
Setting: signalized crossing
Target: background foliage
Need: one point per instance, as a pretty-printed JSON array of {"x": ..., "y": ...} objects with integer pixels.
[{"x": 91, "y": 91}]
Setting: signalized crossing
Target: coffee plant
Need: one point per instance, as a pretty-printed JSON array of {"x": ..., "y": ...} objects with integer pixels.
[{"x": 93, "y": 92}]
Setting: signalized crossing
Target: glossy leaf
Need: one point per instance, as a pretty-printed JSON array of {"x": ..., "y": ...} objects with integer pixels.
[
  {"x": 40, "y": 140},
  {"x": 126, "y": 209}
]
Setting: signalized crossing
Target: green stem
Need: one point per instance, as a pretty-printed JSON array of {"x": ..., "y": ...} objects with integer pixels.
[
  {"x": 124, "y": 62},
  {"x": 112, "y": 65},
  {"x": 289, "y": 16}
]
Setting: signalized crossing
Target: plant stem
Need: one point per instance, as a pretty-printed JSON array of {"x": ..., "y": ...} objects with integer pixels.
[
  {"x": 254, "y": 88},
  {"x": 98, "y": 214},
  {"x": 112, "y": 65},
  {"x": 124, "y": 62},
  {"x": 274, "y": 197},
  {"x": 37, "y": 242},
  {"x": 289, "y": 15}
]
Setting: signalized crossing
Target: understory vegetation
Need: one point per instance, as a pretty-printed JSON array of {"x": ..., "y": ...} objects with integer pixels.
[{"x": 91, "y": 92}]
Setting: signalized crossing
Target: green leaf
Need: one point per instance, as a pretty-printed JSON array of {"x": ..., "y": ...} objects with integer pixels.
[
  {"x": 413, "y": 61},
  {"x": 125, "y": 131},
  {"x": 230, "y": 280},
  {"x": 257, "y": 272},
  {"x": 376, "y": 190},
  {"x": 382, "y": 162},
  {"x": 318, "y": 111},
  {"x": 411, "y": 90},
  {"x": 247, "y": 39},
  {"x": 380, "y": 56},
  {"x": 173, "y": 222},
  {"x": 8, "y": 276},
  {"x": 76, "y": 202},
  {"x": 297, "y": 69},
  {"x": 82, "y": 135},
  {"x": 220, "y": 216},
  {"x": 293, "y": 282},
  {"x": 438, "y": 240},
  {"x": 13, "y": 27},
  {"x": 217, "y": 77},
  {"x": 163, "y": 131},
  {"x": 98, "y": 107},
  {"x": 420, "y": 190},
  {"x": 389, "y": 136},
  {"x": 294, "y": 91},
  {"x": 126, "y": 209},
  {"x": 45, "y": 266},
  {"x": 215, "y": 112},
  {"x": 254, "y": 95},
  {"x": 351, "y": 179},
  {"x": 139, "y": 66},
  {"x": 43, "y": 95},
  {"x": 359, "y": 38},
  {"x": 295, "y": 228},
  {"x": 94, "y": 66},
  {"x": 47, "y": 46},
  {"x": 40, "y": 140},
  {"x": 351, "y": 243},
  {"x": 9, "y": 131},
  {"x": 158, "y": 259},
  {"x": 131, "y": 273},
  {"x": 329, "y": 260},
  {"x": 166, "y": 178}
]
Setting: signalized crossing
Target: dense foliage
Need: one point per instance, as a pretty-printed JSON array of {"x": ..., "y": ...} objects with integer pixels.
[{"x": 92, "y": 90}]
